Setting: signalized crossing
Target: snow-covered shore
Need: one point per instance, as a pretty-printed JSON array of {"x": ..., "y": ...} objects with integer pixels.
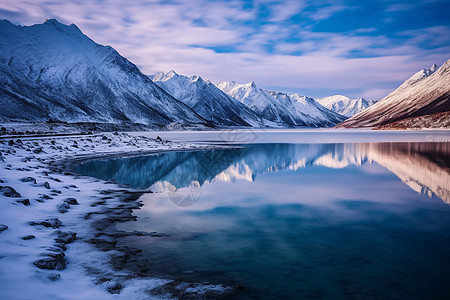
[{"x": 57, "y": 230}]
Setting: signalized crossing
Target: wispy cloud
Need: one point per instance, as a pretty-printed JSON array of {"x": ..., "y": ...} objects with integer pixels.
[{"x": 294, "y": 45}]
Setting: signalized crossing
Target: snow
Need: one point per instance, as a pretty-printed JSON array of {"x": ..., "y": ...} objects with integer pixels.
[
  {"x": 85, "y": 264},
  {"x": 209, "y": 101},
  {"x": 52, "y": 70},
  {"x": 345, "y": 106},
  {"x": 426, "y": 92},
  {"x": 294, "y": 110}
]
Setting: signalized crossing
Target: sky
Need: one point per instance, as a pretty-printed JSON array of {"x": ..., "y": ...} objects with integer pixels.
[{"x": 314, "y": 48}]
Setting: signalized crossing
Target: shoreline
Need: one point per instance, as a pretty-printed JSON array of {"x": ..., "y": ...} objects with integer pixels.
[{"x": 70, "y": 222}]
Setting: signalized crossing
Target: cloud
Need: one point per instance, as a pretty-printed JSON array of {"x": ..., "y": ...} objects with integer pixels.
[{"x": 289, "y": 44}]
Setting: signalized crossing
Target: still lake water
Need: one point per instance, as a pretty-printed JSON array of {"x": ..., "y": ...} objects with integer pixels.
[{"x": 297, "y": 220}]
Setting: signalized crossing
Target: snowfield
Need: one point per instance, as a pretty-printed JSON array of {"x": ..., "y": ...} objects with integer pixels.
[{"x": 57, "y": 229}]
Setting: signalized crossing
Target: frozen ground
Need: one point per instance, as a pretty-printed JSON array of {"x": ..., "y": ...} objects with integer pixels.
[{"x": 57, "y": 230}]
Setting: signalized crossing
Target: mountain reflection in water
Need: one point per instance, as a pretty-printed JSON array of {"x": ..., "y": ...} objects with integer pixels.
[{"x": 424, "y": 167}]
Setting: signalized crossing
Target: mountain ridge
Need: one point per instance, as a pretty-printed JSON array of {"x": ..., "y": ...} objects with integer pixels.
[
  {"x": 294, "y": 110},
  {"x": 54, "y": 71},
  {"x": 426, "y": 92},
  {"x": 206, "y": 99}
]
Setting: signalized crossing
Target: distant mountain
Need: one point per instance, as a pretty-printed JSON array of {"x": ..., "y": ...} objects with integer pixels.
[
  {"x": 281, "y": 108},
  {"x": 345, "y": 106},
  {"x": 312, "y": 112},
  {"x": 207, "y": 100},
  {"x": 259, "y": 101},
  {"x": 426, "y": 92},
  {"x": 54, "y": 71}
]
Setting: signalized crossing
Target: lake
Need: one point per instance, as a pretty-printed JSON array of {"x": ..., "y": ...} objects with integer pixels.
[{"x": 297, "y": 214}]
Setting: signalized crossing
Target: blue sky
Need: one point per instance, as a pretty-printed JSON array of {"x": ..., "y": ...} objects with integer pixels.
[{"x": 315, "y": 48}]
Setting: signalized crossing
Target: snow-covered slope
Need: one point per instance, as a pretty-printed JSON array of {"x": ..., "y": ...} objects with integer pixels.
[
  {"x": 281, "y": 108},
  {"x": 207, "y": 100},
  {"x": 54, "y": 71},
  {"x": 426, "y": 92},
  {"x": 259, "y": 101},
  {"x": 307, "y": 110},
  {"x": 344, "y": 105}
]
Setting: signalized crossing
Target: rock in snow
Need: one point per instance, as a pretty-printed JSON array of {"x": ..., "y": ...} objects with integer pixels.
[{"x": 3, "y": 227}]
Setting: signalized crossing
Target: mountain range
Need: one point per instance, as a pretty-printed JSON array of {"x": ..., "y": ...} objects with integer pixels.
[
  {"x": 345, "y": 106},
  {"x": 53, "y": 72},
  {"x": 207, "y": 100},
  {"x": 293, "y": 110}
]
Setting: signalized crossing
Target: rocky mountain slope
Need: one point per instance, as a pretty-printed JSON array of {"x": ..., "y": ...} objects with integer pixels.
[
  {"x": 207, "y": 100},
  {"x": 259, "y": 101},
  {"x": 54, "y": 71},
  {"x": 426, "y": 92}
]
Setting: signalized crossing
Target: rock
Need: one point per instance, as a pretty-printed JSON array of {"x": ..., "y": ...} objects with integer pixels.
[
  {"x": 71, "y": 201},
  {"x": 25, "y": 202},
  {"x": 53, "y": 223},
  {"x": 28, "y": 179},
  {"x": 46, "y": 185},
  {"x": 9, "y": 192},
  {"x": 63, "y": 207},
  {"x": 115, "y": 288},
  {"x": 38, "y": 150},
  {"x": 57, "y": 261},
  {"x": 3, "y": 227},
  {"x": 46, "y": 197},
  {"x": 10, "y": 143},
  {"x": 65, "y": 237},
  {"x": 102, "y": 244},
  {"x": 55, "y": 179},
  {"x": 54, "y": 276},
  {"x": 28, "y": 237}
]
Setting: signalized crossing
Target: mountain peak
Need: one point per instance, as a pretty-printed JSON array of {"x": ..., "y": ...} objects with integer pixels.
[
  {"x": 75, "y": 72},
  {"x": 196, "y": 78},
  {"x": 51, "y": 21},
  {"x": 164, "y": 76},
  {"x": 424, "y": 73},
  {"x": 72, "y": 28},
  {"x": 433, "y": 68}
]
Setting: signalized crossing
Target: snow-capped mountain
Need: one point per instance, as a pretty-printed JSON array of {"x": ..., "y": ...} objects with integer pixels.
[
  {"x": 279, "y": 107},
  {"x": 426, "y": 92},
  {"x": 259, "y": 101},
  {"x": 307, "y": 110},
  {"x": 54, "y": 71},
  {"x": 344, "y": 105},
  {"x": 207, "y": 100}
]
